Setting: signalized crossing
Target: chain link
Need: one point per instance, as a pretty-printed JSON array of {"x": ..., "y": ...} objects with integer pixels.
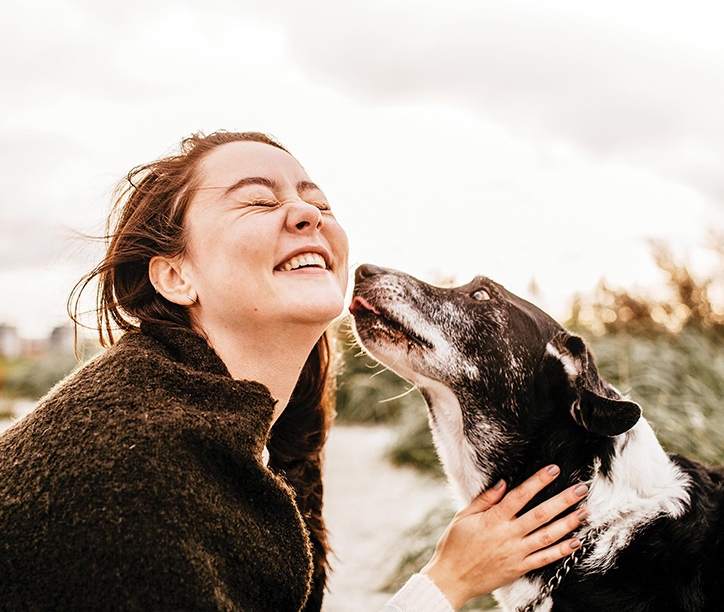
[{"x": 587, "y": 542}]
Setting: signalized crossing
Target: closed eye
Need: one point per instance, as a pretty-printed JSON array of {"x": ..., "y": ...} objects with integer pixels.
[{"x": 264, "y": 203}]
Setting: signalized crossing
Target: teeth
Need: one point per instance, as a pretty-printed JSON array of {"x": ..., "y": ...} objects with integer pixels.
[{"x": 304, "y": 259}]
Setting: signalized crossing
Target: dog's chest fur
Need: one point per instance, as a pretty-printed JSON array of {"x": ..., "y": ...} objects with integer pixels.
[{"x": 643, "y": 484}]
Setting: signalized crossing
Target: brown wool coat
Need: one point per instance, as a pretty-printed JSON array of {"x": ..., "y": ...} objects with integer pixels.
[{"x": 138, "y": 484}]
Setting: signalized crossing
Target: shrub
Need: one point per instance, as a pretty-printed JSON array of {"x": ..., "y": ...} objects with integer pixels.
[{"x": 32, "y": 377}]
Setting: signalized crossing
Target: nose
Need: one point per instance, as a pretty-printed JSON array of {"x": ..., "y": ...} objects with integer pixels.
[
  {"x": 303, "y": 216},
  {"x": 366, "y": 270}
]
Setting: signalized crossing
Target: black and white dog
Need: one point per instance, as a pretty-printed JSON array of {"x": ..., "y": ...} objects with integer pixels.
[{"x": 510, "y": 391}]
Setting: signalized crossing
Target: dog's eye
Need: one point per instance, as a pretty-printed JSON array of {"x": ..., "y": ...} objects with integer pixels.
[{"x": 480, "y": 295}]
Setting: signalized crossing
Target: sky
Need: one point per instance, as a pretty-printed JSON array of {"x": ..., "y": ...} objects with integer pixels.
[{"x": 523, "y": 140}]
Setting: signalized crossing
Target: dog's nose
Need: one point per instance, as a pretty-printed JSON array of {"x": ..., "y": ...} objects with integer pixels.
[{"x": 366, "y": 270}]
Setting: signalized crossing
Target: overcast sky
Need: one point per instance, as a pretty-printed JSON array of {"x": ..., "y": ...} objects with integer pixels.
[{"x": 521, "y": 140}]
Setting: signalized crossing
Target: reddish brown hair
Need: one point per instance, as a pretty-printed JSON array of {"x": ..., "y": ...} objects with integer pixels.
[{"x": 148, "y": 220}]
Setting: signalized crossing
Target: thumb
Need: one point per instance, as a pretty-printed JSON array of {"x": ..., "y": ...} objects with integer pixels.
[{"x": 485, "y": 500}]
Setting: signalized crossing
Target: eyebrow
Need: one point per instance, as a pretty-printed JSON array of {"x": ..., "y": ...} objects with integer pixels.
[
  {"x": 307, "y": 185},
  {"x": 253, "y": 180},
  {"x": 270, "y": 183}
]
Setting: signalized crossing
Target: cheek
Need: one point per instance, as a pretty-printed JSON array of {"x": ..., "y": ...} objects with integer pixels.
[
  {"x": 343, "y": 271},
  {"x": 223, "y": 260},
  {"x": 340, "y": 244}
]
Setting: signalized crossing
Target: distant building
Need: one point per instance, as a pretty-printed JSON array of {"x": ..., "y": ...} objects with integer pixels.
[
  {"x": 10, "y": 343},
  {"x": 34, "y": 347},
  {"x": 62, "y": 339}
]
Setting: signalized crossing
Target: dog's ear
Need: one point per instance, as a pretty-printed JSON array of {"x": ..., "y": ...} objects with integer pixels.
[{"x": 594, "y": 404}]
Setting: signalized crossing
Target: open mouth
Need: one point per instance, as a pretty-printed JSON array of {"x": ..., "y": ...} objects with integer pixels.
[
  {"x": 303, "y": 260},
  {"x": 369, "y": 317}
]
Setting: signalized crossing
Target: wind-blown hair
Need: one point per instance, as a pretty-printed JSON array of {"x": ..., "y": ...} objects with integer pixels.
[{"x": 147, "y": 219}]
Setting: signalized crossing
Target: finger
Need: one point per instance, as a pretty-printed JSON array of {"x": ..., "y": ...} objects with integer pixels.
[
  {"x": 549, "y": 555},
  {"x": 516, "y": 500},
  {"x": 551, "y": 508},
  {"x": 550, "y": 534},
  {"x": 485, "y": 500}
]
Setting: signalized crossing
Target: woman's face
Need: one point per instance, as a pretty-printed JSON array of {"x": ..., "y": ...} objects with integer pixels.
[{"x": 263, "y": 248}]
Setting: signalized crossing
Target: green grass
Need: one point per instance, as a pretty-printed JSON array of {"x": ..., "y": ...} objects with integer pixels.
[
  {"x": 32, "y": 377},
  {"x": 679, "y": 382}
]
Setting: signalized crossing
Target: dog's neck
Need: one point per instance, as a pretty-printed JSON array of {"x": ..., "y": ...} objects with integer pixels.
[
  {"x": 458, "y": 446},
  {"x": 637, "y": 484},
  {"x": 633, "y": 484}
]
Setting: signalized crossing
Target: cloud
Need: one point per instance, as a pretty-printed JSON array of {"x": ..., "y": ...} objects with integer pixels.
[
  {"x": 465, "y": 136},
  {"x": 634, "y": 81}
]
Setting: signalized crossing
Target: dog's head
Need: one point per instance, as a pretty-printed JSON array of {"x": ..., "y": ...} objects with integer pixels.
[{"x": 511, "y": 366}]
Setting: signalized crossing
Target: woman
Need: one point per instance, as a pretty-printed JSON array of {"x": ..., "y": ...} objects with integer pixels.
[{"x": 141, "y": 482}]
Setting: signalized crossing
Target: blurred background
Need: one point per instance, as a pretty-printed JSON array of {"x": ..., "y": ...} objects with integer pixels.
[{"x": 571, "y": 151}]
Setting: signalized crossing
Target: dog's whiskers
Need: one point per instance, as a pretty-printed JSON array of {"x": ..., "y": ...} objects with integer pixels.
[
  {"x": 383, "y": 370},
  {"x": 391, "y": 399}
]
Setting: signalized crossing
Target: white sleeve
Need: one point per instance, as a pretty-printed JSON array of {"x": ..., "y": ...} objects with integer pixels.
[{"x": 418, "y": 595}]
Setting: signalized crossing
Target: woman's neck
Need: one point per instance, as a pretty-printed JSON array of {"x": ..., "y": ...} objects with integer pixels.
[{"x": 274, "y": 358}]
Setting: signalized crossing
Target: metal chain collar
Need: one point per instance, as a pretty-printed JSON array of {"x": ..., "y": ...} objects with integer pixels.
[{"x": 568, "y": 564}]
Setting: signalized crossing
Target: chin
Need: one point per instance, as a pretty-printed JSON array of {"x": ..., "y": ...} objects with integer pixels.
[{"x": 322, "y": 311}]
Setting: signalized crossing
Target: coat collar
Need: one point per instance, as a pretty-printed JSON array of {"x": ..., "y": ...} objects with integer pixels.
[
  {"x": 187, "y": 347},
  {"x": 201, "y": 364}
]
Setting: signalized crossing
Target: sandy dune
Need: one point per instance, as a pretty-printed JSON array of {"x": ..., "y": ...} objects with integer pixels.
[{"x": 368, "y": 504}]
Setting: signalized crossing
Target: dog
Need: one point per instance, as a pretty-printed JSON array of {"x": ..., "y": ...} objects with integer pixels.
[{"x": 509, "y": 391}]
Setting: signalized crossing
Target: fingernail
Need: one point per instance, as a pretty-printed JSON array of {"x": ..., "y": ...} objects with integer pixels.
[
  {"x": 581, "y": 490},
  {"x": 573, "y": 544},
  {"x": 583, "y": 515},
  {"x": 499, "y": 485},
  {"x": 554, "y": 470}
]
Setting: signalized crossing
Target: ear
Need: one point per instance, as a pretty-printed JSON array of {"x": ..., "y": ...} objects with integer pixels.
[
  {"x": 594, "y": 404},
  {"x": 167, "y": 277}
]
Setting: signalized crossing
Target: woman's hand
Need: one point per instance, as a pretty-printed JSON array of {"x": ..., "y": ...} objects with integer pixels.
[{"x": 487, "y": 546}]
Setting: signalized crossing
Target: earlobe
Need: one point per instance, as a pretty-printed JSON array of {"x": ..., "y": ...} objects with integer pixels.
[{"x": 167, "y": 277}]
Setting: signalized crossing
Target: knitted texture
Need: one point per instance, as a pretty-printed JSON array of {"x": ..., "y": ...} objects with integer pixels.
[
  {"x": 420, "y": 594},
  {"x": 138, "y": 484}
]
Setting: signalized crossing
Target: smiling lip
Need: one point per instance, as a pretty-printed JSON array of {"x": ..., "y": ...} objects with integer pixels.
[{"x": 317, "y": 249}]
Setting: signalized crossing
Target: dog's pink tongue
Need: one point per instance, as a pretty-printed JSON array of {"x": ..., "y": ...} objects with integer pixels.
[{"x": 359, "y": 304}]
